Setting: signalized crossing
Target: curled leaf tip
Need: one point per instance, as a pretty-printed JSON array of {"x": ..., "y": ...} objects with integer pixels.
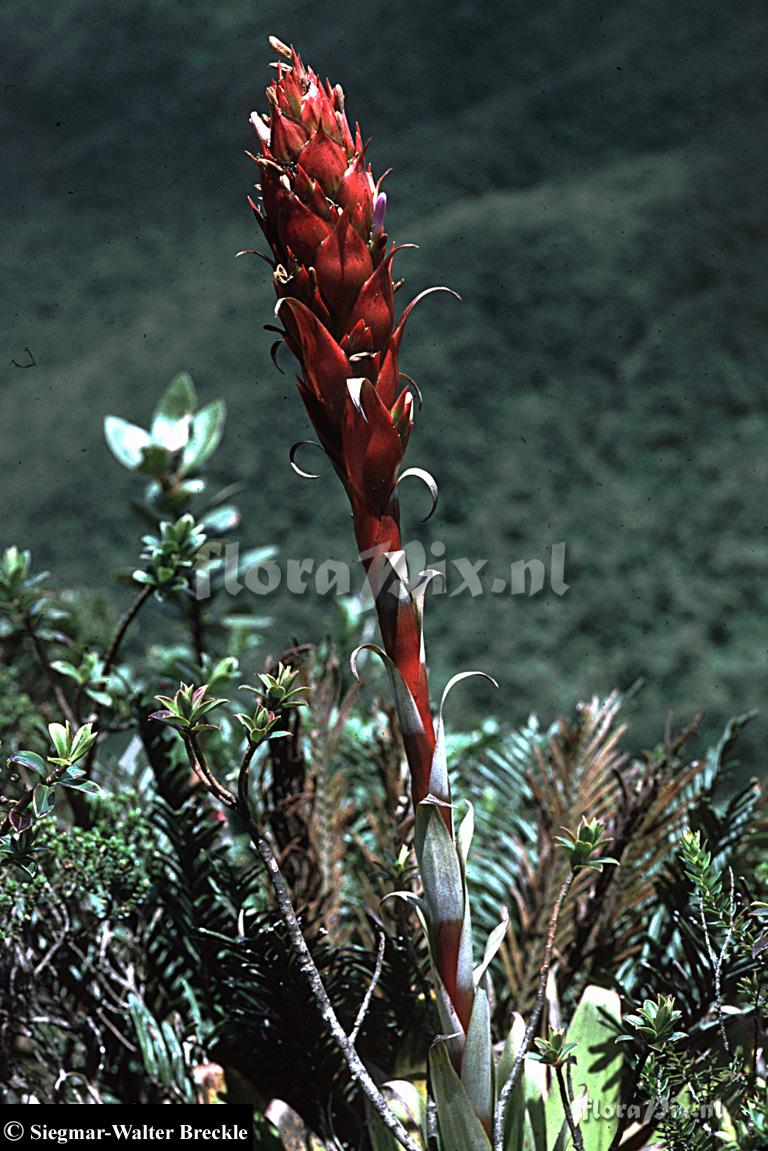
[
  {"x": 292, "y": 458},
  {"x": 431, "y": 483}
]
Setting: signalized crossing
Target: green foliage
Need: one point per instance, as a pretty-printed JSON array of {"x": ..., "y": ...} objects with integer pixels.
[
  {"x": 70, "y": 745},
  {"x": 279, "y": 691},
  {"x": 710, "y": 1087},
  {"x": 276, "y": 692},
  {"x": 655, "y": 1022},
  {"x": 186, "y": 709},
  {"x": 110, "y": 867},
  {"x": 580, "y": 846},
  {"x": 170, "y": 556},
  {"x": 460, "y": 1129},
  {"x": 598, "y": 1068},
  {"x": 17, "y": 586},
  {"x": 143, "y": 947},
  {"x": 180, "y": 440},
  {"x": 554, "y": 1051},
  {"x": 25, "y": 602},
  {"x": 161, "y": 1052}
]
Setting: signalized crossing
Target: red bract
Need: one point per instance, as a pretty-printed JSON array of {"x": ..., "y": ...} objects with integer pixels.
[{"x": 322, "y": 213}]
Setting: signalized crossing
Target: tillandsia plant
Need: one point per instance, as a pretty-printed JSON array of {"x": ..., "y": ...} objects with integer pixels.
[{"x": 323, "y": 216}]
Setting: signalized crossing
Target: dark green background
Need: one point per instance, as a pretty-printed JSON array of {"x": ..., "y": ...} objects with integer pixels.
[{"x": 591, "y": 178}]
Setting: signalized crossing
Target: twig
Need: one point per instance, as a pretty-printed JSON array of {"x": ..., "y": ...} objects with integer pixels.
[
  {"x": 306, "y": 963},
  {"x": 578, "y": 1142},
  {"x": 506, "y": 1091},
  {"x": 117, "y": 639},
  {"x": 631, "y": 817},
  {"x": 357, "y": 1068},
  {"x": 752, "y": 1079},
  {"x": 371, "y": 988},
  {"x": 244, "y": 776},
  {"x": 67, "y": 927},
  {"x": 718, "y": 960},
  {"x": 45, "y": 663},
  {"x": 197, "y": 629},
  {"x": 200, "y": 766},
  {"x": 109, "y": 659}
]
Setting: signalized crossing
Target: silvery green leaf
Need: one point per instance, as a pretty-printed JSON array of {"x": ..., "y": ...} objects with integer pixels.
[
  {"x": 205, "y": 434},
  {"x": 465, "y": 982},
  {"x": 536, "y": 1094},
  {"x": 407, "y": 711},
  {"x": 514, "y": 1134},
  {"x": 494, "y": 942},
  {"x": 126, "y": 441},
  {"x": 438, "y": 779},
  {"x": 441, "y": 873},
  {"x": 60, "y": 736},
  {"x": 409, "y": 1104},
  {"x": 222, "y": 519},
  {"x": 465, "y": 833},
  {"x": 453, "y": 1032},
  {"x": 477, "y": 1060},
  {"x": 417, "y": 903},
  {"x": 86, "y": 786},
  {"x": 178, "y": 402},
  {"x": 460, "y": 1128},
  {"x": 578, "y": 1107},
  {"x": 31, "y": 760},
  {"x": 255, "y": 556},
  {"x": 431, "y": 483}
]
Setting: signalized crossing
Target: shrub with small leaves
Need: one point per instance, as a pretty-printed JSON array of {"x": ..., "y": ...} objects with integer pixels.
[
  {"x": 276, "y": 695},
  {"x": 278, "y": 690},
  {"x": 582, "y": 844},
  {"x": 108, "y": 869},
  {"x": 182, "y": 436},
  {"x": 187, "y": 709},
  {"x": 171, "y": 556},
  {"x": 655, "y": 1022},
  {"x": 554, "y": 1051},
  {"x": 25, "y": 602}
]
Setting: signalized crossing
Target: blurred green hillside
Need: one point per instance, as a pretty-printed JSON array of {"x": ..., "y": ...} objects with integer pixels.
[{"x": 590, "y": 177}]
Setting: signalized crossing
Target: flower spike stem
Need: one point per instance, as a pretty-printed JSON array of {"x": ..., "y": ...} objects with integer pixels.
[{"x": 322, "y": 215}]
